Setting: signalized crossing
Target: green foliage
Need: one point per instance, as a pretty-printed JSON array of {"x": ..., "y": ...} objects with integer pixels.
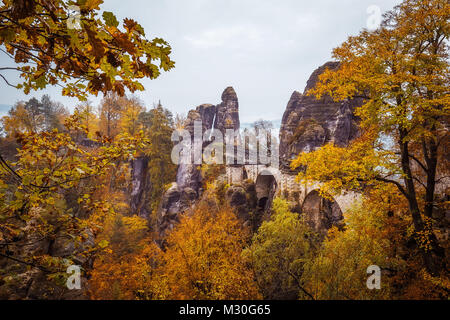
[
  {"x": 158, "y": 129},
  {"x": 63, "y": 202},
  {"x": 279, "y": 251},
  {"x": 338, "y": 271}
]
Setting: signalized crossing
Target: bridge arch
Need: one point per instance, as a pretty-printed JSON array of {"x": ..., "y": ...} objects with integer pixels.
[
  {"x": 265, "y": 185},
  {"x": 321, "y": 213}
]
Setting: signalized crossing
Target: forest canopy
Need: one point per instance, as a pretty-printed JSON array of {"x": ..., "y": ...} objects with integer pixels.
[{"x": 94, "y": 186}]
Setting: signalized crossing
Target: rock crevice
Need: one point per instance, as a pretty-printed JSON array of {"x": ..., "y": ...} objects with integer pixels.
[{"x": 309, "y": 123}]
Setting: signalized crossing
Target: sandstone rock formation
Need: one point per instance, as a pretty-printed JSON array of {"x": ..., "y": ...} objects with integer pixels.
[
  {"x": 227, "y": 113},
  {"x": 139, "y": 184},
  {"x": 188, "y": 185},
  {"x": 309, "y": 123},
  {"x": 242, "y": 197}
]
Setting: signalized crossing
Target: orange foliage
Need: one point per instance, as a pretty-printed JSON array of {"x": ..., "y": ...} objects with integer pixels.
[
  {"x": 124, "y": 268},
  {"x": 203, "y": 257}
]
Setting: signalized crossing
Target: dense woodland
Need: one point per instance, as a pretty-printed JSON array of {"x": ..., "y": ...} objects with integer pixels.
[{"x": 65, "y": 176}]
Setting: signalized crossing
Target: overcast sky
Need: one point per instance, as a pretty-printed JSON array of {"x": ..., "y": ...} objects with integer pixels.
[{"x": 265, "y": 49}]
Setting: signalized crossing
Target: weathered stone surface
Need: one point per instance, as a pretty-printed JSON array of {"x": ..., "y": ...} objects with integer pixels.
[
  {"x": 243, "y": 199},
  {"x": 204, "y": 113},
  {"x": 140, "y": 182},
  {"x": 227, "y": 112},
  {"x": 309, "y": 123},
  {"x": 188, "y": 186},
  {"x": 321, "y": 213},
  {"x": 237, "y": 199},
  {"x": 175, "y": 201}
]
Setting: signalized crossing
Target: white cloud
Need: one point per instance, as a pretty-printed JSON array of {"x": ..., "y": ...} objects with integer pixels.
[
  {"x": 225, "y": 36},
  {"x": 307, "y": 21},
  {"x": 265, "y": 49}
]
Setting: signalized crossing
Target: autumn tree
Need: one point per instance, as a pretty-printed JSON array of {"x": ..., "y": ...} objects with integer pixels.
[
  {"x": 34, "y": 202},
  {"x": 210, "y": 174},
  {"x": 126, "y": 267},
  {"x": 130, "y": 115},
  {"x": 203, "y": 257},
  {"x": 88, "y": 118},
  {"x": 372, "y": 236},
  {"x": 278, "y": 252},
  {"x": 110, "y": 111},
  {"x": 54, "y": 43},
  {"x": 146, "y": 117},
  {"x": 158, "y": 127},
  {"x": 34, "y": 115},
  {"x": 401, "y": 70}
]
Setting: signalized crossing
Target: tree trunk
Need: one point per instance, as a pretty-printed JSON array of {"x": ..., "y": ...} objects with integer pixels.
[
  {"x": 430, "y": 155},
  {"x": 431, "y": 258}
]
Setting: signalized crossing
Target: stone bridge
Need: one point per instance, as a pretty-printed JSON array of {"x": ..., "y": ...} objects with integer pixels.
[
  {"x": 270, "y": 181},
  {"x": 307, "y": 124}
]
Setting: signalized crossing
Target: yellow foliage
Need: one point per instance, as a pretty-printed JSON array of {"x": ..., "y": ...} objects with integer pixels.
[
  {"x": 124, "y": 270},
  {"x": 203, "y": 258}
]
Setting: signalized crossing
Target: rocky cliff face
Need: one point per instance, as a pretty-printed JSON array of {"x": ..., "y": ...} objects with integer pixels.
[
  {"x": 187, "y": 187},
  {"x": 139, "y": 184},
  {"x": 309, "y": 123},
  {"x": 221, "y": 117},
  {"x": 227, "y": 113}
]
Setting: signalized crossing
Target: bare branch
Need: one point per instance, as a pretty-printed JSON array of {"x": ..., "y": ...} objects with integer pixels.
[
  {"x": 24, "y": 262},
  {"x": 396, "y": 183},
  {"x": 7, "y": 82}
]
